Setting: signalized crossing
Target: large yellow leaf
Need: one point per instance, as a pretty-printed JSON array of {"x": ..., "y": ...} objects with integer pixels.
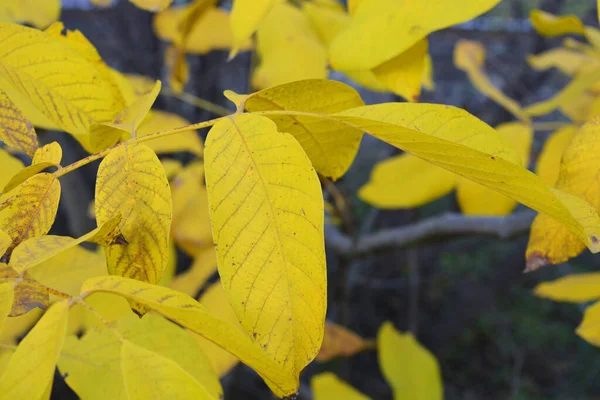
[
  {"x": 327, "y": 386},
  {"x": 131, "y": 181},
  {"x": 152, "y": 5},
  {"x": 6, "y": 301},
  {"x": 588, "y": 329},
  {"x": 27, "y": 293},
  {"x": 395, "y": 26},
  {"x": 470, "y": 57},
  {"x": 266, "y": 211},
  {"x": 330, "y": 145},
  {"x": 548, "y": 163},
  {"x": 188, "y": 313},
  {"x": 15, "y": 130},
  {"x": 549, "y": 241},
  {"x": 246, "y": 16},
  {"x": 93, "y": 363},
  {"x": 47, "y": 156},
  {"x": 577, "y": 288},
  {"x": 406, "y": 181},
  {"x": 39, "y": 13},
  {"x": 203, "y": 267},
  {"x": 61, "y": 83},
  {"x": 340, "y": 342},
  {"x": 410, "y": 369},
  {"x": 33, "y": 209},
  {"x": 288, "y": 49},
  {"x": 157, "y": 121},
  {"x": 31, "y": 368}
]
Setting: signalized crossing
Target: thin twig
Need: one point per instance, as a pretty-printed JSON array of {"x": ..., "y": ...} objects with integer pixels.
[
  {"x": 549, "y": 126},
  {"x": 449, "y": 224},
  {"x": 197, "y": 101}
]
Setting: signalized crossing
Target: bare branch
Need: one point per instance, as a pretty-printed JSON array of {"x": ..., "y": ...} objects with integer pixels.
[{"x": 449, "y": 224}]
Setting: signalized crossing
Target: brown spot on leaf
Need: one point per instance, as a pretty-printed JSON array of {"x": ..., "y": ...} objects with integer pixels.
[{"x": 535, "y": 261}]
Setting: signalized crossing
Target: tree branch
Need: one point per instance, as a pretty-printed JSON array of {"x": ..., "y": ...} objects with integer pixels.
[{"x": 449, "y": 224}]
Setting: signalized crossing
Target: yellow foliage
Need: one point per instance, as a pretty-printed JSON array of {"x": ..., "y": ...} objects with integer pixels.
[
  {"x": 203, "y": 267},
  {"x": 44, "y": 157},
  {"x": 246, "y": 17},
  {"x": 567, "y": 61},
  {"x": 10, "y": 166},
  {"x": 577, "y": 288},
  {"x": 15, "y": 130},
  {"x": 152, "y": 5},
  {"x": 6, "y": 301},
  {"x": 549, "y": 25},
  {"x": 157, "y": 121},
  {"x": 27, "y": 293},
  {"x": 39, "y": 13},
  {"x": 327, "y": 386},
  {"x": 548, "y": 163},
  {"x": 340, "y": 342}
]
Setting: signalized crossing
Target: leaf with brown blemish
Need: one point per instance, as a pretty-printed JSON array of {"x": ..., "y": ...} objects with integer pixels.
[
  {"x": 341, "y": 342},
  {"x": 27, "y": 293},
  {"x": 15, "y": 130}
]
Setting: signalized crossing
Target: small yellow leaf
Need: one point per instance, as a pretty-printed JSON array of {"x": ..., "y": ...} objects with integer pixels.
[
  {"x": 395, "y": 26},
  {"x": 330, "y": 145},
  {"x": 31, "y": 368},
  {"x": 152, "y": 5},
  {"x": 246, "y": 17},
  {"x": 410, "y": 369},
  {"x": 185, "y": 311},
  {"x": 157, "y": 121},
  {"x": 588, "y": 329},
  {"x": 288, "y": 48},
  {"x": 103, "y": 136},
  {"x": 549, "y": 241},
  {"x": 266, "y": 211},
  {"x": 340, "y": 342},
  {"x": 33, "y": 210},
  {"x": 567, "y": 61},
  {"x": 15, "y": 130},
  {"x": 327, "y": 386},
  {"x": 203, "y": 267},
  {"x": 548, "y": 163},
  {"x": 469, "y": 56},
  {"x": 406, "y": 181},
  {"x": 6, "y": 301},
  {"x": 549, "y": 25},
  {"x": 576, "y": 288},
  {"x": 27, "y": 293},
  {"x": 47, "y": 156},
  {"x": 131, "y": 181},
  {"x": 39, "y": 13}
]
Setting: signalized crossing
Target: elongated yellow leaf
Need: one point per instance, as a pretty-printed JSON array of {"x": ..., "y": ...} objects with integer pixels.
[
  {"x": 131, "y": 181},
  {"x": 327, "y": 386},
  {"x": 44, "y": 157},
  {"x": 288, "y": 49},
  {"x": 158, "y": 121},
  {"x": 93, "y": 363},
  {"x": 39, "y": 13},
  {"x": 588, "y": 329},
  {"x": 548, "y": 163},
  {"x": 15, "y": 130},
  {"x": 330, "y": 145},
  {"x": 406, "y": 181},
  {"x": 266, "y": 211},
  {"x": 152, "y": 5},
  {"x": 410, "y": 369},
  {"x": 246, "y": 16},
  {"x": 31, "y": 368},
  {"x": 576, "y": 288},
  {"x": 103, "y": 136},
  {"x": 56, "y": 79},
  {"x": 33, "y": 210},
  {"x": 567, "y": 61},
  {"x": 340, "y": 342},
  {"x": 187, "y": 312},
  {"x": 549, "y": 241},
  {"x": 6, "y": 301},
  {"x": 549, "y": 25},
  {"x": 203, "y": 267},
  {"x": 470, "y": 57},
  {"x": 394, "y": 27}
]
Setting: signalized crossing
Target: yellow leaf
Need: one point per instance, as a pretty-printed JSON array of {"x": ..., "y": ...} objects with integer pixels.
[
  {"x": 594, "y": 109},
  {"x": 191, "y": 222},
  {"x": 353, "y": 6},
  {"x": 406, "y": 181},
  {"x": 395, "y": 26},
  {"x": 50, "y": 75},
  {"x": 44, "y": 157},
  {"x": 403, "y": 74},
  {"x": 157, "y": 121},
  {"x": 131, "y": 181},
  {"x": 152, "y": 5},
  {"x": 33, "y": 210},
  {"x": 476, "y": 199},
  {"x": 549, "y": 25},
  {"x": 246, "y": 17},
  {"x": 103, "y": 136},
  {"x": 548, "y": 163},
  {"x": 327, "y": 386},
  {"x": 427, "y": 78},
  {"x": 31, "y": 368},
  {"x": 410, "y": 369},
  {"x": 39, "y": 13},
  {"x": 566, "y": 60},
  {"x": 10, "y": 166},
  {"x": 15, "y": 130},
  {"x": 266, "y": 211},
  {"x": 340, "y": 342},
  {"x": 93, "y": 363},
  {"x": 27, "y": 293},
  {"x": 469, "y": 56},
  {"x": 5, "y": 355},
  {"x": 588, "y": 329},
  {"x": 5, "y": 241},
  {"x": 16, "y": 327},
  {"x": 326, "y": 21},
  {"x": 578, "y": 109},
  {"x": 185, "y": 311},
  {"x": 330, "y": 145},
  {"x": 288, "y": 48},
  {"x": 177, "y": 68},
  {"x": 171, "y": 167},
  {"x": 6, "y": 301},
  {"x": 110, "y": 306},
  {"x": 549, "y": 241},
  {"x": 132, "y": 86},
  {"x": 203, "y": 267},
  {"x": 576, "y": 288}
]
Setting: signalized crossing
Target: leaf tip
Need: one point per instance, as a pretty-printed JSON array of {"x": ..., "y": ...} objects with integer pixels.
[{"x": 535, "y": 261}]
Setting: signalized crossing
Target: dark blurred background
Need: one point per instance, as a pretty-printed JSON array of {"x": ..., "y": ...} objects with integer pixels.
[{"x": 465, "y": 298}]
